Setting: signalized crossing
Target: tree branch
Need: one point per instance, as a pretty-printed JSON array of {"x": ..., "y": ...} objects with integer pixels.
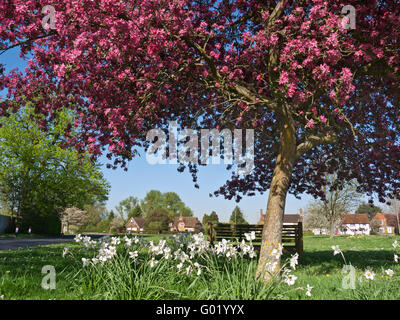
[{"x": 314, "y": 141}]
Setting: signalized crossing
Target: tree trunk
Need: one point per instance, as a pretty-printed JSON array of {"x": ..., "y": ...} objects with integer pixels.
[
  {"x": 332, "y": 229},
  {"x": 269, "y": 263}
]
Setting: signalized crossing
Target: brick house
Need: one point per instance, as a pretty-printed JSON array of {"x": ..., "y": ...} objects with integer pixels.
[
  {"x": 135, "y": 224},
  {"x": 185, "y": 224},
  {"x": 354, "y": 224},
  {"x": 385, "y": 223}
]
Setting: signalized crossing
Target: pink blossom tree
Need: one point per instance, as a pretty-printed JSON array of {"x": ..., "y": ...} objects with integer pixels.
[{"x": 322, "y": 97}]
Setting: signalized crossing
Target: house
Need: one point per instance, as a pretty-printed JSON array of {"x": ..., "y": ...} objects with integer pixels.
[
  {"x": 287, "y": 218},
  {"x": 135, "y": 224},
  {"x": 385, "y": 223},
  {"x": 354, "y": 224},
  {"x": 319, "y": 231},
  {"x": 185, "y": 224}
]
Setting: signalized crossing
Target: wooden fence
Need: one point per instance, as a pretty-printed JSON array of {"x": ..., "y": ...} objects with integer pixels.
[{"x": 292, "y": 235}]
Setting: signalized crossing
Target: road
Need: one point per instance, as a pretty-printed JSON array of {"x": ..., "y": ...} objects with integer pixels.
[{"x": 12, "y": 243}]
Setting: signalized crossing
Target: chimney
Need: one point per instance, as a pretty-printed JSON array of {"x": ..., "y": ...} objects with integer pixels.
[
  {"x": 261, "y": 214},
  {"x": 301, "y": 214}
]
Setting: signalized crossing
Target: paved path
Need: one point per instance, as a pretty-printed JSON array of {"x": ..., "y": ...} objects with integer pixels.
[{"x": 12, "y": 243}]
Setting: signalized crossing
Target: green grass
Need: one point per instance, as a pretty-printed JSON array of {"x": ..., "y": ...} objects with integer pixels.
[{"x": 21, "y": 277}]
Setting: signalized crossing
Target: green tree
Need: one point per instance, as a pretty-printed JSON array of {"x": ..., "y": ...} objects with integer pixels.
[
  {"x": 111, "y": 216},
  {"x": 369, "y": 209},
  {"x": 136, "y": 212},
  {"x": 158, "y": 219},
  {"x": 175, "y": 206},
  {"x": 97, "y": 216},
  {"x": 40, "y": 175},
  {"x": 152, "y": 200},
  {"x": 212, "y": 217},
  {"x": 237, "y": 216},
  {"x": 125, "y": 207},
  {"x": 168, "y": 200}
]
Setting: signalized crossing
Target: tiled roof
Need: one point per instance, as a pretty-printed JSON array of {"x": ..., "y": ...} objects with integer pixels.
[
  {"x": 139, "y": 221},
  {"x": 190, "y": 222},
  {"x": 287, "y": 218},
  {"x": 356, "y": 218},
  {"x": 391, "y": 220},
  {"x": 291, "y": 218}
]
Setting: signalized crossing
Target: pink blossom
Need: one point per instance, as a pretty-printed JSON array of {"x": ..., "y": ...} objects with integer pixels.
[
  {"x": 323, "y": 119},
  {"x": 310, "y": 124},
  {"x": 284, "y": 78}
]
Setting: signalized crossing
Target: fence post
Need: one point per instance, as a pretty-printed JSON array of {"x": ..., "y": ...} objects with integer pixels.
[
  {"x": 211, "y": 232},
  {"x": 299, "y": 244}
]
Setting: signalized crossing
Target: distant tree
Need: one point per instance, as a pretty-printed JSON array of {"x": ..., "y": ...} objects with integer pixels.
[
  {"x": 168, "y": 200},
  {"x": 73, "y": 217},
  {"x": 97, "y": 216},
  {"x": 117, "y": 225},
  {"x": 126, "y": 207},
  {"x": 339, "y": 199},
  {"x": 136, "y": 212},
  {"x": 237, "y": 217},
  {"x": 375, "y": 225},
  {"x": 157, "y": 219},
  {"x": 151, "y": 201},
  {"x": 212, "y": 217},
  {"x": 369, "y": 209},
  {"x": 313, "y": 219},
  {"x": 175, "y": 206},
  {"x": 111, "y": 216}
]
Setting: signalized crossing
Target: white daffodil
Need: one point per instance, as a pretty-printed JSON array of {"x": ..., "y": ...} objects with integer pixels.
[
  {"x": 189, "y": 270},
  {"x": 369, "y": 275},
  {"x": 395, "y": 244},
  {"x": 153, "y": 262},
  {"x": 290, "y": 279},
  {"x": 389, "y": 272},
  {"x": 336, "y": 250},
  {"x": 133, "y": 255},
  {"x": 396, "y": 258},
  {"x": 85, "y": 262},
  {"x": 294, "y": 261},
  {"x": 115, "y": 241},
  {"x": 309, "y": 288},
  {"x": 128, "y": 242}
]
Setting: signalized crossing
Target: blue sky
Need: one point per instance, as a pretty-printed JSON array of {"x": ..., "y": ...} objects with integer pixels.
[{"x": 142, "y": 177}]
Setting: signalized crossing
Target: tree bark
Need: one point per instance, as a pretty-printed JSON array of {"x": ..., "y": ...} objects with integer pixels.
[
  {"x": 269, "y": 263},
  {"x": 332, "y": 229}
]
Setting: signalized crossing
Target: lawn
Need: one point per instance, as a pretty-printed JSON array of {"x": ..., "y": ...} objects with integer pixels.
[{"x": 122, "y": 278}]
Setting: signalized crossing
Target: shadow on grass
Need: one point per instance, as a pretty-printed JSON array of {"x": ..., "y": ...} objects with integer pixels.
[{"x": 325, "y": 261}]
